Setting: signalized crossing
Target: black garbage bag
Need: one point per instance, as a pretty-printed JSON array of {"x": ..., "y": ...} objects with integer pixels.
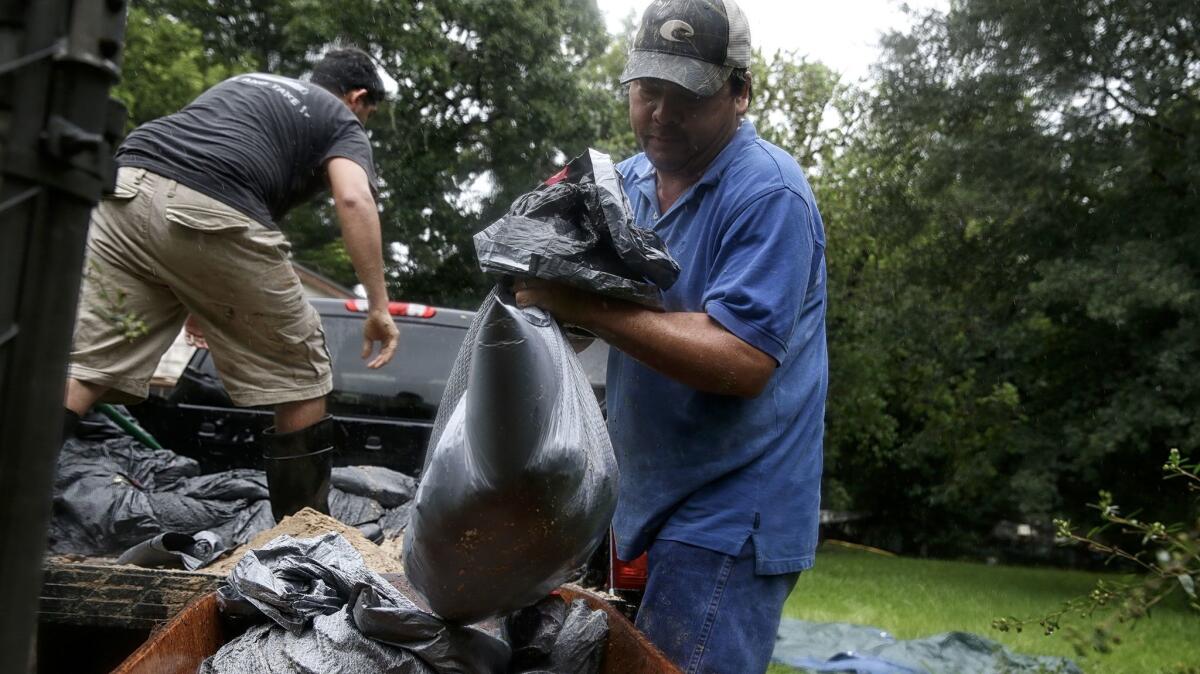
[
  {"x": 255, "y": 519},
  {"x": 372, "y": 498},
  {"x": 520, "y": 480},
  {"x": 228, "y": 485},
  {"x": 385, "y": 486},
  {"x": 353, "y": 509},
  {"x": 577, "y": 228},
  {"x": 113, "y": 494},
  {"x": 549, "y": 636},
  {"x": 395, "y": 520},
  {"x": 532, "y": 631},
  {"x": 329, "y": 612}
]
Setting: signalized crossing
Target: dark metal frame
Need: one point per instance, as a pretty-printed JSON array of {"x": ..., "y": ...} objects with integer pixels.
[{"x": 58, "y": 128}]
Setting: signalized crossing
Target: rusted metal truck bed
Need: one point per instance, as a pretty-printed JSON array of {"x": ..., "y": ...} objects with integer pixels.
[{"x": 197, "y": 632}]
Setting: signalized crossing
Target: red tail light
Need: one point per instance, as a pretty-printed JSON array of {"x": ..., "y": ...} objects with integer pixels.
[
  {"x": 626, "y": 575},
  {"x": 396, "y": 309}
]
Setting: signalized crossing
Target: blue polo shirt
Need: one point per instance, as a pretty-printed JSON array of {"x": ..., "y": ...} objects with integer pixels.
[{"x": 713, "y": 470}]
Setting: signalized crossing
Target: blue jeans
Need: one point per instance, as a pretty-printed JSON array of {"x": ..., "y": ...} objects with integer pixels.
[{"x": 709, "y": 612}]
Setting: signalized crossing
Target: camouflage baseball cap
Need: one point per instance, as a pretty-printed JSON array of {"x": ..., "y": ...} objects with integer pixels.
[{"x": 693, "y": 43}]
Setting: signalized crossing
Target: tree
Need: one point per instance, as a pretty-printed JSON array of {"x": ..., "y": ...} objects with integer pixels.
[
  {"x": 609, "y": 99},
  {"x": 1016, "y": 308},
  {"x": 797, "y": 105},
  {"x": 165, "y": 67}
]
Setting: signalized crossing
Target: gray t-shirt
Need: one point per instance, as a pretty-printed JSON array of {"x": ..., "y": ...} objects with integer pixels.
[{"x": 256, "y": 142}]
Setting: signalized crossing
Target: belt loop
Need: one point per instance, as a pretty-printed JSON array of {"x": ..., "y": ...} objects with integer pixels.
[
  {"x": 138, "y": 175},
  {"x": 171, "y": 189}
]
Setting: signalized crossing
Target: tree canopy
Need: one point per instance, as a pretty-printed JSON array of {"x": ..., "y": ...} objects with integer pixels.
[{"x": 1013, "y": 237}]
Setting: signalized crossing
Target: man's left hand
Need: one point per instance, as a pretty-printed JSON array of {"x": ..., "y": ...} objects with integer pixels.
[{"x": 193, "y": 333}]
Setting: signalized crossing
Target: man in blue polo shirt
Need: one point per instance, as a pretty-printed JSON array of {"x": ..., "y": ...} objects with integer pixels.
[{"x": 716, "y": 406}]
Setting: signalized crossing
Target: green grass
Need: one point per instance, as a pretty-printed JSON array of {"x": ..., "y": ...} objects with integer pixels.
[{"x": 913, "y": 598}]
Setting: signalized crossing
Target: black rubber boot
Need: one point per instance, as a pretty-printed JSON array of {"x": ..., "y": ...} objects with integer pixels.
[
  {"x": 70, "y": 423},
  {"x": 298, "y": 468}
]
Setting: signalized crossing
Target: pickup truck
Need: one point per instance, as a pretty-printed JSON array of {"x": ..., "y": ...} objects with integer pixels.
[{"x": 385, "y": 415}]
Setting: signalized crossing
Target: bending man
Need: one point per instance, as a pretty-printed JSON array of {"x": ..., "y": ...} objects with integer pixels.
[{"x": 192, "y": 228}]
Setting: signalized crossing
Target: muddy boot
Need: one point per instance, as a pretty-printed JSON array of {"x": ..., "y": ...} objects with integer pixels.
[{"x": 298, "y": 467}]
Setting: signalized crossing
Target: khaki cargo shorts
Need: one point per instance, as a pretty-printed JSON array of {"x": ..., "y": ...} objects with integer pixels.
[{"x": 157, "y": 251}]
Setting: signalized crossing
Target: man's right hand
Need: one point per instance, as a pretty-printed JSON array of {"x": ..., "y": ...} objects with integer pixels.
[
  {"x": 359, "y": 219},
  {"x": 379, "y": 327}
]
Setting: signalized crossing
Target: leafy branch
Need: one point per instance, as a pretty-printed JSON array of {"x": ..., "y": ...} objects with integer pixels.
[{"x": 1168, "y": 557}]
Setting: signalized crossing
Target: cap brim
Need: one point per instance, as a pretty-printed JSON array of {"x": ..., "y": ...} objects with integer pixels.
[{"x": 699, "y": 77}]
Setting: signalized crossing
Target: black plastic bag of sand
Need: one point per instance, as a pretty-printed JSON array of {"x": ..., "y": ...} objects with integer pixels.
[{"x": 520, "y": 481}]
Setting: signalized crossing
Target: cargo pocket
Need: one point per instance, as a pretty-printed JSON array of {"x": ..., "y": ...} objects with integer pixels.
[
  {"x": 207, "y": 219},
  {"x": 301, "y": 345},
  {"x": 129, "y": 184}
]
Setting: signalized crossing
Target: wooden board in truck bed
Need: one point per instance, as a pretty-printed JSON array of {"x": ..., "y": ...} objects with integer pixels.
[{"x": 106, "y": 595}]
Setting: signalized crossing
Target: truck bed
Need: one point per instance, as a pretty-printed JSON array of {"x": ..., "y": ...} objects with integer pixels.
[{"x": 198, "y": 632}]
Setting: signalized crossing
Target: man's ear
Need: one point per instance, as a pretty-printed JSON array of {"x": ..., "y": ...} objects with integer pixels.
[
  {"x": 742, "y": 103},
  {"x": 354, "y": 97}
]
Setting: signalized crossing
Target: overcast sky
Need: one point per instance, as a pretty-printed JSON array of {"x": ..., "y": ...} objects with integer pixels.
[{"x": 843, "y": 35}]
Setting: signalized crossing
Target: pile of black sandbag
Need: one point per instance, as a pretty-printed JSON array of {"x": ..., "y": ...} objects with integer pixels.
[
  {"x": 314, "y": 598},
  {"x": 114, "y": 493},
  {"x": 373, "y": 499}
]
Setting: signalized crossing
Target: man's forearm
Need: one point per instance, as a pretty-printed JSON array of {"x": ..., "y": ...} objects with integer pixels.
[
  {"x": 690, "y": 348},
  {"x": 360, "y": 231}
]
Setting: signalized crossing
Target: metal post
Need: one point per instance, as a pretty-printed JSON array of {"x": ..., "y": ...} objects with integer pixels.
[{"x": 58, "y": 127}]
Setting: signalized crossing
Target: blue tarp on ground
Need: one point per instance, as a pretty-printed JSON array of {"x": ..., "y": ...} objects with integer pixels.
[{"x": 833, "y": 647}]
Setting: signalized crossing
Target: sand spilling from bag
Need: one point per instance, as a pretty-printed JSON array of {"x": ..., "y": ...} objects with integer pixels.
[{"x": 309, "y": 523}]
